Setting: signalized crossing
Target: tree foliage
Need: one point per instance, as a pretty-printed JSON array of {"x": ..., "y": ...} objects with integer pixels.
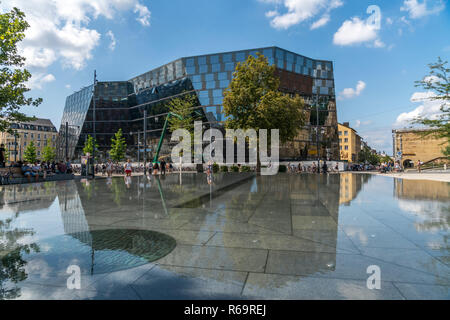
[
  {"x": 438, "y": 82},
  {"x": 185, "y": 107},
  {"x": 366, "y": 155},
  {"x": 30, "y": 153},
  {"x": 12, "y": 74},
  {"x": 253, "y": 101},
  {"x": 49, "y": 153},
  {"x": 89, "y": 145},
  {"x": 118, "y": 146}
]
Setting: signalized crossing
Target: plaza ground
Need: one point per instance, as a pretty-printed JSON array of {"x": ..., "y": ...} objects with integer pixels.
[{"x": 238, "y": 236}]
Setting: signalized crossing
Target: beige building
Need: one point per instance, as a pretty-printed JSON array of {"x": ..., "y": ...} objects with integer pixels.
[
  {"x": 412, "y": 145},
  {"x": 349, "y": 143},
  {"x": 39, "y": 131}
]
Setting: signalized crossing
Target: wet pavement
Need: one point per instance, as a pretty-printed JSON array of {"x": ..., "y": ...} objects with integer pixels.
[{"x": 235, "y": 237}]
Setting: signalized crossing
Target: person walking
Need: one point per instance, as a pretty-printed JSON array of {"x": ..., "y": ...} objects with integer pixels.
[
  {"x": 419, "y": 166},
  {"x": 163, "y": 167},
  {"x": 109, "y": 168},
  {"x": 128, "y": 168},
  {"x": 2, "y": 155},
  {"x": 325, "y": 167}
]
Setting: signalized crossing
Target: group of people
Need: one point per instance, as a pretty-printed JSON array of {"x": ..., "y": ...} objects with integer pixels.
[
  {"x": 391, "y": 166},
  {"x": 42, "y": 169},
  {"x": 324, "y": 168},
  {"x": 108, "y": 168}
]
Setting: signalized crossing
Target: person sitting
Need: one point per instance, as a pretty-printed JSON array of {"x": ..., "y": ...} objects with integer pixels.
[
  {"x": 61, "y": 167},
  {"x": 68, "y": 166},
  {"x": 27, "y": 171},
  {"x": 38, "y": 169}
]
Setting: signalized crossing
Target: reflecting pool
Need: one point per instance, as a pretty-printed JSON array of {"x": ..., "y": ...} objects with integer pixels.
[{"x": 236, "y": 236}]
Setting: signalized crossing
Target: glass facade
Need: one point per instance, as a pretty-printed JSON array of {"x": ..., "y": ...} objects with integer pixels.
[{"x": 120, "y": 104}]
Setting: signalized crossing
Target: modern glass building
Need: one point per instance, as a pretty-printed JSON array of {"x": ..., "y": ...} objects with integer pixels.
[{"x": 122, "y": 104}]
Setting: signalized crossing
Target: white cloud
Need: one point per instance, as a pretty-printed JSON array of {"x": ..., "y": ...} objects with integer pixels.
[
  {"x": 144, "y": 14},
  {"x": 68, "y": 86},
  {"x": 299, "y": 11},
  {"x": 112, "y": 44},
  {"x": 417, "y": 9},
  {"x": 37, "y": 80},
  {"x": 359, "y": 123},
  {"x": 349, "y": 93},
  {"x": 430, "y": 109},
  {"x": 356, "y": 31},
  {"x": 321, "y": 22},
  {"x": 59, "y": 29}
]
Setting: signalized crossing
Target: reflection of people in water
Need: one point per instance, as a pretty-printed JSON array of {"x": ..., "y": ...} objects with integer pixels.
[
  {"x": 109, "y": 181},
  {"x": 127, "y": 181},
  {"x": 209, "y": 178}
]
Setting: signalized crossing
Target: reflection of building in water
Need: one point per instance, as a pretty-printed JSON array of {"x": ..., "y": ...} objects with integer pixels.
[
  {"x": 33, "y": 196},
  {"x": 425, "y": 190},
  {"x": 351, "y": 184},
  {"x": 427, "y": 200},
  {"x": 72, "y": 212}
]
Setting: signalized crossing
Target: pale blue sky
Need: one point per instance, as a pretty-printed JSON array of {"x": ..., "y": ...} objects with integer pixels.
[{"x": 124, "y": 38}]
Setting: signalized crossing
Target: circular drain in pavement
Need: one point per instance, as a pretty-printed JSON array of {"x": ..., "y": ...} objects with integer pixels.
[{"x": 98, "y": 251}]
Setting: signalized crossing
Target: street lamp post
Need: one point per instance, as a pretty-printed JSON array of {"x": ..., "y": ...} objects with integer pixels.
[
  {"x": 93, "y": 118},
  {"x": 317, "y": 132},
  {"x": 67, "y": 139},
  {"x": 145, "y": 141},
  {"x": 15, "y": 147}
]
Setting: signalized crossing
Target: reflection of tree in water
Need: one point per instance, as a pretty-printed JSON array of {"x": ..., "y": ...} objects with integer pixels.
[
  {"x": 118, "y": 189},
  {"x": 12, "y": 267}
]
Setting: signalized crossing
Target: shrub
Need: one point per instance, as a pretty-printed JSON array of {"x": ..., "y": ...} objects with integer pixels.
[
  {"x": 224, "y": 169},
  {"x": 215, "y": 168},
  {"x": 234, "y": 169},
  {"x": 245, "y": 169},
  {"x": 282, "y": 168}
]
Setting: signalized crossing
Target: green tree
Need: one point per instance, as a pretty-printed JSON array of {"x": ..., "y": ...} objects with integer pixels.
[
  {"x": 185, "y": 107},
  {"x": 49, "y": 153},
  {"x": 253, "y": 101},
  {"x": 438, "y": 82},
  {"x": 12, "y": 74},
  {"x": 118, "y": 147},
  {"x": 366, "y": 155},
  {"x": 89, "y": 145},
  {"x": 30, "y": 153}
]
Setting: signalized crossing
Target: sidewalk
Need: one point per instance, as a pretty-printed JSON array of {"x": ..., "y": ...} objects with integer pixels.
[{"x": 435, "y": 176}]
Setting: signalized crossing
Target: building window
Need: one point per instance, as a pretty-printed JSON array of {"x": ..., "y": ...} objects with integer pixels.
[
  {"x": 346, "y": 140},
  {"x": 340, "y": 133},
  {"x": 346, "y": 148},
  {"x": 345, "y": 133}
]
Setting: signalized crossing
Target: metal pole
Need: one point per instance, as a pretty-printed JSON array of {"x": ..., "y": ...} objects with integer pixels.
[
  {"x": 93, "y": 118},
  {"x": 15, "y": 147},
  {"x": 317, "y": 134},
  {"x": 138, "y": 149},
  {"x": 145, "y": 142},
  {"x": 67, "y": 140}
]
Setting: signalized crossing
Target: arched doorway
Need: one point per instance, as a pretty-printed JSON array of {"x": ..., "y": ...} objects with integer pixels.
[{"x": 408, "y": 163}]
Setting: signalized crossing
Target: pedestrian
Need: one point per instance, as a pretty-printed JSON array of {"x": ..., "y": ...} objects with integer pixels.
[
  {"x": 109, "y": 168},
  {"x": 419, "y": 166},
  {"x": 324, "y": 167},
  {"x": 128, "y": 168},
  {"x": 163, "y": 167},
  {"x": 2, "y": 155}
]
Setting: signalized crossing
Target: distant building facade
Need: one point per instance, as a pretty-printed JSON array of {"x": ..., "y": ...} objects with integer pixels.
[
  {"x": 412, "y": 145},
  {"x": 39, "y": 131},
  {"x": 349, "y": 143}
]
